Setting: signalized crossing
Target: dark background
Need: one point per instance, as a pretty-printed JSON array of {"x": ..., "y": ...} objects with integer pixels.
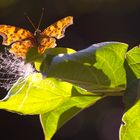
[{"x": 94, "y": 21}]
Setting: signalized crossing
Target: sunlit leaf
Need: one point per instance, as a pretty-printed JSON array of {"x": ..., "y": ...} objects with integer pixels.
[
  {"x": 99, "y": 68},
  {"x": 133, "y": 74},
  {"x": 53, "y": 120},
  {"x": 33, "y": 55},
  {"x": 56, "y": 100},
  {"x": 133, "y": 60},
  {"x": 59, "y": 50},
  {"x": 51, "y": 53},
  {"x": 130, "y": 130},
  {"x": 35, "y": 95}
]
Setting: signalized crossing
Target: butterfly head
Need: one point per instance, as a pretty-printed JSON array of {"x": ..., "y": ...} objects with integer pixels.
[{"x": 37, "y": 32}]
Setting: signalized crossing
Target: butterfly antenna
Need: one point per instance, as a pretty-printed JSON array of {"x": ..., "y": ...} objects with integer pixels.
[
  {"x": 42, "y": 13},
  {"x": 30, "y": 21}
]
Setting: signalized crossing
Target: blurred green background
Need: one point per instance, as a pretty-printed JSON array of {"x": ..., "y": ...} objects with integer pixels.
[{"x": 94, "y": 21}]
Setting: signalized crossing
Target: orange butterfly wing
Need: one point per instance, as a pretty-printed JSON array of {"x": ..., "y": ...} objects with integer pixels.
[
  {"x": 20, "y": 49},
  {"x": 12, "y": 34},
  {"x": 57, "y": 29},
  {"x": 46, "y": 43},
  {"x": 19, "y": 39}
]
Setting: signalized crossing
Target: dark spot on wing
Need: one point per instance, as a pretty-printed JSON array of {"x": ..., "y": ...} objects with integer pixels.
[
  {"x": 16, "y": 30},
  {"x": 23, "y": 32}
]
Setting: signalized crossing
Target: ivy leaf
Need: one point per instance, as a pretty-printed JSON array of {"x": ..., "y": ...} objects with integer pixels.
[
  {"x": 37, "y": 96},
  {"x": 131, "y": 127},
  {"x": 49, "y": 53},
  {"x": 99, "y": 68},
  {"x": 53, "y": 120},
  {"x": 133, "y": 74},
  {"x": 133, "y": 60},
  {"x": 33, "y": 55},
  {"x": 56, "y": 100},
  {"x": 132, "y": 94},
  {"x": 59, "y": 50},
  {"x": 130, "y": 130}
]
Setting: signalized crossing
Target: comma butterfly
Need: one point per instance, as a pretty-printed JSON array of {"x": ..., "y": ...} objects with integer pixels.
[{"x": 22, "y": 40}]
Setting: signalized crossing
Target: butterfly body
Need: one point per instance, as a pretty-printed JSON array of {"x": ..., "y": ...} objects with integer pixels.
[
  {"x": 21, "y": 40},
  {"x": 37, "y": 37}
]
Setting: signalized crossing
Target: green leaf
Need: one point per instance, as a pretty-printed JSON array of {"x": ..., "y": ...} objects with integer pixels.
[
  {"x": 56, "y": 100},
  {"x": 130, "y": 130},
  {"x": 33, "y": 55},
  {"x": 53, "y": 120},
  {"x": 59, "y": 50},
  {"x": 133, "y": 60},
  {"x": 51, "y": 53},
  {"x": 132, "y": 94},
  {"x": 99, "y": 68},
  {"x": 35, "y": 95},
  {"x": 133, "y": 73},
  {"x": 37, "y": 66}
]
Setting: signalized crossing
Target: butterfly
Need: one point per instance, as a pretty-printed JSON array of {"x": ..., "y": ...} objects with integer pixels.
[{"x": 21, "y": 40}]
